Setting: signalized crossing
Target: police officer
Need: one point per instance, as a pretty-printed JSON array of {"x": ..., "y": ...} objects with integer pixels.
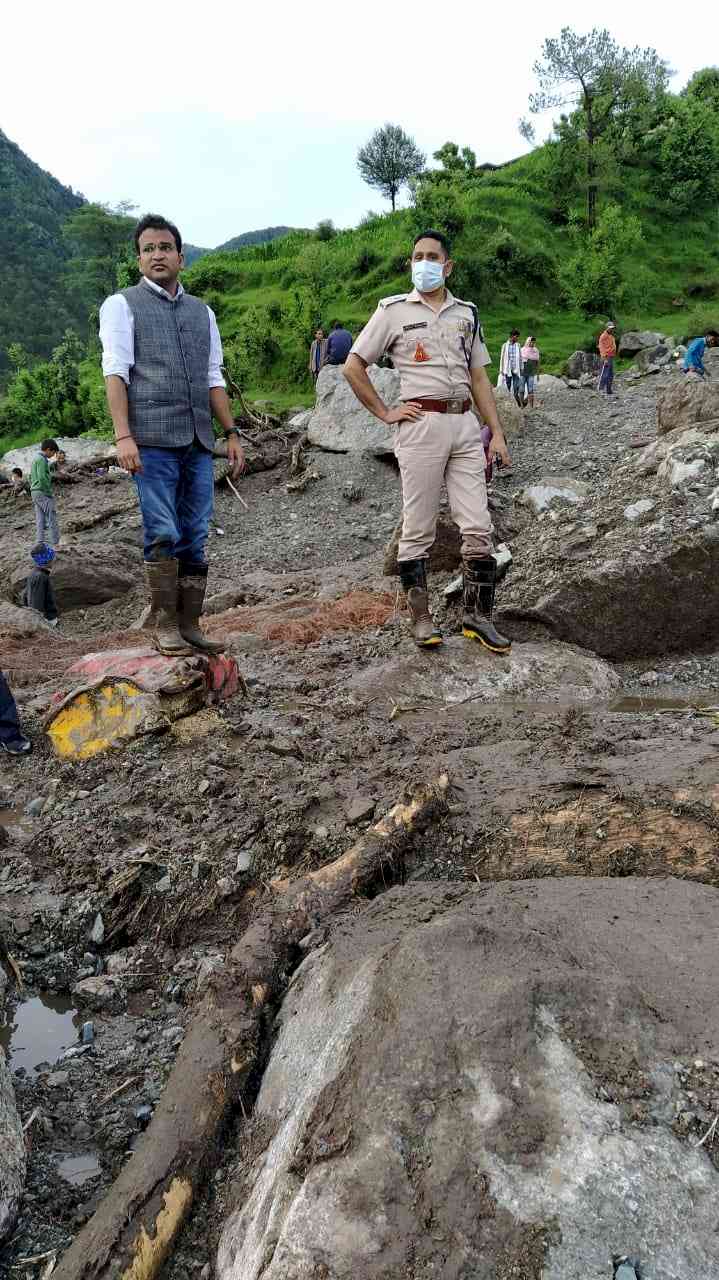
[{"x": 436, "y": 344}]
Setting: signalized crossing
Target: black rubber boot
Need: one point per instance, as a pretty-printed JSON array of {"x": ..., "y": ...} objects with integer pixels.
[
  {"x": 191, "y": 588},
  {"x": 480, "y": 576},
  {"x": 413, "y": 575}
]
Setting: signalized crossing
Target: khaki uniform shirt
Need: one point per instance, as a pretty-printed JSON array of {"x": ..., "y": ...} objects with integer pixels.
[{"x": 429, "y": 349}]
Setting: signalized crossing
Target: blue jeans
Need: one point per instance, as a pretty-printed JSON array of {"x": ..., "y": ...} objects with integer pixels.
[
  {"x": 176, "y": 488},
  {"x": 10, "y": 730},
  {"x": 606, "y": 378}
]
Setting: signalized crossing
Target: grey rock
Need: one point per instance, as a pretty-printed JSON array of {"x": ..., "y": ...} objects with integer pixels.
[
  {"x": 581, "y": 363},
  {"x": 101, "y": 993},
  {"x": 244, "y": 860},
  {"x": 35, "y": 807},
  {"x": 13, "y": 1159},
  {"x": 564, "y": 490},
  {"x": 637, "y": 510},
  {"x": 98, "y": 930},
  {"x": 359, "y": 809},
  {"x": 654, "y": 358},
  {"x": 58, "y": 1079},
  {"x": 632, "y": 343},
  {"x": 88, "y": 1032},
  {"x": 495, "y": 1072},
  {"x": 25, "y": 622},
  {"x": 340, "y": 424},
  {"x": 689, "y": 403}
]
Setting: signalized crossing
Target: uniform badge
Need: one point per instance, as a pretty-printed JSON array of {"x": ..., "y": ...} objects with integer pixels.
[{"x": 420, "y": 354}]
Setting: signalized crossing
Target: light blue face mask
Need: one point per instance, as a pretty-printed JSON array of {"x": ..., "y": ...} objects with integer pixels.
[{"x": 427, "y": 276}]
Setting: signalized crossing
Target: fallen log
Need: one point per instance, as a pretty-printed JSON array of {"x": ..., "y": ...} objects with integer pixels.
[{"x": 134, "y": 1229}]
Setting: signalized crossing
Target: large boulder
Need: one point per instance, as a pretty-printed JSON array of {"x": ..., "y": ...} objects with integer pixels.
[
  {"x": 581, "y": 363},
  {"x": 78, "y": 450},
  {"x": 340, "y": 424},
  {"x": 652, "y": 358},
  {"x": 480, "y": 1082},
  {"x": 637, "y": 597},
  {"x": 13, "y": 1159},
  {"x": 87, "y": 574},
  {"x": 631, "y": 343},
  {"x": 20, "y": 621},
  {"x": 547, "y": 672},
  {"x": 688, "y": 403}
]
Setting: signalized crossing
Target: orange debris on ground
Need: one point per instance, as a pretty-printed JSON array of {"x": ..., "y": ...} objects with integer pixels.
[{"x": 301, "y": 621}]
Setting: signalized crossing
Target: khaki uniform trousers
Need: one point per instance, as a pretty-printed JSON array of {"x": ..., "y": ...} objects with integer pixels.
[{"x": 442, "y": 447}]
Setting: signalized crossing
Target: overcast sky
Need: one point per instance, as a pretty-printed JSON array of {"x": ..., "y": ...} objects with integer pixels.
[{"x": 228, "y": 117}]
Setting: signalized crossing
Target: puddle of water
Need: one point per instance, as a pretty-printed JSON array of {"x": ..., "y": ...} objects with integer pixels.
[
  {"x": 660, "y": 704},
  {"x": 77, "y": 1170},
  {"x": 43, "y": 1026}
]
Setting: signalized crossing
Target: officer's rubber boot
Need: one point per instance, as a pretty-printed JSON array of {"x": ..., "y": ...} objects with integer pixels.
[
  {"x": 191, "y": 588},
  {"x": 480, "y": 575},
  {"x": 162, "y": 619},
  {"x": 413, "y": 575}
]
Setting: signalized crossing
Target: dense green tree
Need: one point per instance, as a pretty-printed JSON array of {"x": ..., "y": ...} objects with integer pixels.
[
  {"x": 389, "y": 160},
  {"x": 689, "y": 156},
  {"x": 704, "y": 85},
  {"x": 455, "y": 161},
  {"x": 100, "y": 238},
  {"x": 601, "y": 81},
  {"x": 591, "y": 275}
]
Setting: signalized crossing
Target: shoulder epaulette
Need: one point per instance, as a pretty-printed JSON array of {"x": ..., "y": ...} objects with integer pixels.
[{"x": 396, "y": 297}]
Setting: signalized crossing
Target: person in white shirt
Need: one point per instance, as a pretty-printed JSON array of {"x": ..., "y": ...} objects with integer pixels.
[
  {"x": 510, "y": 365},
  {"x": 162, "y": 359}
]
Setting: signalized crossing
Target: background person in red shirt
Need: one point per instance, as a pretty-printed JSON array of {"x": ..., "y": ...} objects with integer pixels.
[{"x": 607, "y": 350}]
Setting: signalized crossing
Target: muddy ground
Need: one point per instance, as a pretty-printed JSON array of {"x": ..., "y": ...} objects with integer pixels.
[{"x": 142, "y": 867}]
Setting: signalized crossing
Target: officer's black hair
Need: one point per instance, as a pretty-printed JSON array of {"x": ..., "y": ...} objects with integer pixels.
[
  {"x": 434, "y": 235},
  {"x": 711, "y": 333},
  {"x": 157, "y": 222}
]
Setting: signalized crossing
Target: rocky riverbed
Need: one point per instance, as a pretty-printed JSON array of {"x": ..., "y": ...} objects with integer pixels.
[{"x": 589, "y": 753}]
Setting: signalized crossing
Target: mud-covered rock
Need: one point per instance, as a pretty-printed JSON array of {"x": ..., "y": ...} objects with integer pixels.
[
  {"x": 24, "y": 622},
  {"x": 84, "y": 575},
  {"x": 12, "y": 1152},
  {"x": 464, "y": 670},
  {"x": 461, "y": 1084},
  {"x": 643, "y": 599}
]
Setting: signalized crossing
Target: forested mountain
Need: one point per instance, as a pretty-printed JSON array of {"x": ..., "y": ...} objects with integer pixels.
[
  {"x": 192, "y": 252},
  {"x": 36, "y": 305}
]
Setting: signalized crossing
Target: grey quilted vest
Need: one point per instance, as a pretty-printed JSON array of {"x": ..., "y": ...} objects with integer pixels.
[{"x": 168, "y": 396}]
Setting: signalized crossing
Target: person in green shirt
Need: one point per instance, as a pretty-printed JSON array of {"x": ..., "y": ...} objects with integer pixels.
[{"x": 41, "y": 494}]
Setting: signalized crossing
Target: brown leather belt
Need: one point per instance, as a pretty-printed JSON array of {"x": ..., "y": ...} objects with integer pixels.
[{"x": 442, "y": 406}]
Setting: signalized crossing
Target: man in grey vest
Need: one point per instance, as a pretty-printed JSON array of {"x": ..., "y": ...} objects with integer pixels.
[{"x": 162, "y": 359}]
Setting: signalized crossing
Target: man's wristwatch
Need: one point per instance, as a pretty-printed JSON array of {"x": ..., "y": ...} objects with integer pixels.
[{"x": 231, "y": 431}]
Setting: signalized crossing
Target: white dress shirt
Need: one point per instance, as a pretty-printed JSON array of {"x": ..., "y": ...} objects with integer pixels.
[
  {"x": 510, "y": 360},
  {"x": 117, "y": 335}
]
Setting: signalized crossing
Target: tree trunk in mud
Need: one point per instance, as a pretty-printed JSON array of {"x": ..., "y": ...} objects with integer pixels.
[{"x": 135, "y": 1226}]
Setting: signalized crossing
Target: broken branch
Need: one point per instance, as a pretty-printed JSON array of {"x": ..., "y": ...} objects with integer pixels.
[{"x": 134, "y": 1229}]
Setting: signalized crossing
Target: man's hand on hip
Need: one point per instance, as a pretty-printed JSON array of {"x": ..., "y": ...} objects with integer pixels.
[
  {"x": 128, "y": 455},
  {"x": 401, "y": 412},
  {"x": 498, "y": 449},
  {"x": 235, "y": 457}
]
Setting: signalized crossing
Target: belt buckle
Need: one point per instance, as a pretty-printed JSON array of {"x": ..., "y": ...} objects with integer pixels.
[{"x": 454, "y": 406}]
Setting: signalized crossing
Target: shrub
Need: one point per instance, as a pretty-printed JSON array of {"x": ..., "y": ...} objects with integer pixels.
[{"x": 591, "y": 275}]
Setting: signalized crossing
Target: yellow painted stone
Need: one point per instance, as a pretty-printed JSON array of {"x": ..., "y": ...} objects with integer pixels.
[{"x": 95, "y": 719}]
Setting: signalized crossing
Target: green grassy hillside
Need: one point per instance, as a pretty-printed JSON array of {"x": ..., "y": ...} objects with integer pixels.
[{"x": 508, "y": 248}]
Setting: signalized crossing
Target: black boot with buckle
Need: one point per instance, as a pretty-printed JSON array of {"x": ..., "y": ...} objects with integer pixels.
[
  {"x": 480, "y": 575},
  {"x": 413, "y": 576}
]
